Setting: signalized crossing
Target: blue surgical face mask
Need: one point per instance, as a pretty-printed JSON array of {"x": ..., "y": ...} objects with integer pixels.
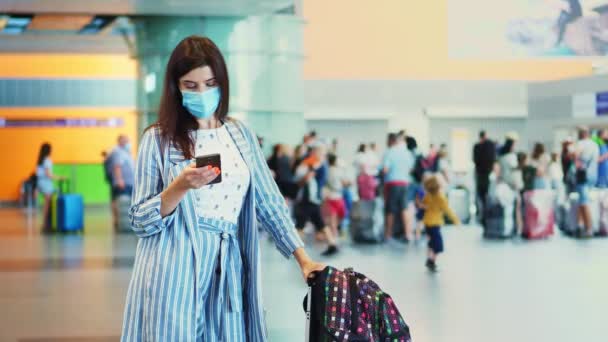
[
  {"x": 127, "y": 147},
  {"x": 201, "y": 105}
]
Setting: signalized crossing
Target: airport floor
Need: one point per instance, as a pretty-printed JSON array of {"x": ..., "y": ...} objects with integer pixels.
[{"x": 72, "y": 287}]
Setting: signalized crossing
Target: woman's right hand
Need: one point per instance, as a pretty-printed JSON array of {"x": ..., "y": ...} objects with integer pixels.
[{"x": 195, "y": 178}]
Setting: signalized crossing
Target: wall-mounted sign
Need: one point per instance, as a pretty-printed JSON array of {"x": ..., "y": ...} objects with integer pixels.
[
  {"x": 590, "y": 105},
  {"x": 601, "y": 103}
]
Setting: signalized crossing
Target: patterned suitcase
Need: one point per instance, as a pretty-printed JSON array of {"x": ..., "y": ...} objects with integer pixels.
[
  {"x": 539, "y": 214},
  {"x": 348, "y": 306}
]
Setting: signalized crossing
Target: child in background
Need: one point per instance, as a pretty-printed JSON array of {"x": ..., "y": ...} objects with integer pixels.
[
  {"x": 334, "y": 199},
  {"x": 435, "y": 206}
]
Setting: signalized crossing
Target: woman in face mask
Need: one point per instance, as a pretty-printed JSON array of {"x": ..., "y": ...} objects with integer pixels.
[{"x": 197, "y": 265}]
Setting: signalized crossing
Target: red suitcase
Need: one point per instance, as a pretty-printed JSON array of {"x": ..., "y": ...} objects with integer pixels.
[{"x": 539, "y": 214}]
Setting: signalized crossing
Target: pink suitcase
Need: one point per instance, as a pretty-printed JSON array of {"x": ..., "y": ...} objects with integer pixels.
[
  {"x": 539, "y": 214},
  {"x": 367, "y": 185}
]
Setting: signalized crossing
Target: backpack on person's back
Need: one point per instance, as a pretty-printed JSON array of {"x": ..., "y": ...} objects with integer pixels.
[{"x": 420, "y": 168}]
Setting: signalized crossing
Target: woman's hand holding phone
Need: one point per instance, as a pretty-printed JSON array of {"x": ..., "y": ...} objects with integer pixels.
[{"x": 195, "y": 178}]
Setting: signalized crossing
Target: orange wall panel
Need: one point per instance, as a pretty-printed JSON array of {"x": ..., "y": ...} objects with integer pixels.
[
  {"x": 397, "y": 39},
  {"x": 67, "y": 66},
  {"x": 70, "y": 145}
]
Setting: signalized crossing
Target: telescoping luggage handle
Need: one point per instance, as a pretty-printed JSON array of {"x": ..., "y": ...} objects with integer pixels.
[
  {"x": 310, "y": 282},
  {"x": 308, "y": 309},
  {"x": 64, "y": 186}
]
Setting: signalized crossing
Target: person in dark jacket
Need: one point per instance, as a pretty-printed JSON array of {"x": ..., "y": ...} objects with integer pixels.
[
  {"x": 484, "y": 157},
  {"x": 568, "y": 165},
  {"x": 280, "y": 164}
]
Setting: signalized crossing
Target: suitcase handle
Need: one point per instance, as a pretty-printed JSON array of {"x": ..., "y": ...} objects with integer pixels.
[
  {"x": 311, "y": 278},
  {"x": 64, "y": 183}
]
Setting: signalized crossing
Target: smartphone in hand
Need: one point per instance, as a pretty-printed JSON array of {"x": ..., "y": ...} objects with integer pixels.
[{"x": 213, "y": 160}]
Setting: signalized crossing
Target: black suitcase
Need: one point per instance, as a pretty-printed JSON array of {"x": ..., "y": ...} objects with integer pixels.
[
  {"x": 367, "y": 221},
  {"x": 499, "y": 222}
]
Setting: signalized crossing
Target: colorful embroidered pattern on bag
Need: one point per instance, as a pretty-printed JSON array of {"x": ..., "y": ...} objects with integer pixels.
[{"x": 377, "y": 315}]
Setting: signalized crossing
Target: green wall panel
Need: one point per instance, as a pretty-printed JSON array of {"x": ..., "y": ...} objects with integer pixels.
[{"x": 86, "y": 179}]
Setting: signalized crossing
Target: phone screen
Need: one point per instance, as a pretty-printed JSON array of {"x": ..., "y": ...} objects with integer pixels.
[{"x": 214, "y": 160}]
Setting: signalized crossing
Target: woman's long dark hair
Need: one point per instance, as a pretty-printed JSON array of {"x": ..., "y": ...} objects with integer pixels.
[
  {"x": 45, "y": 151},
  {"x": 174, "y": 120},
  {"x": 539, "y": 150},
  {"x": 411, "y": 143},
  {"x": 276, "y": 149}
]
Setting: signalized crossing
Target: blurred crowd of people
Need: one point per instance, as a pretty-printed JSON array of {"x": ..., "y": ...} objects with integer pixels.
[
  {"x": 321, "y": 187},
  {"x": 581, "y": 165}
]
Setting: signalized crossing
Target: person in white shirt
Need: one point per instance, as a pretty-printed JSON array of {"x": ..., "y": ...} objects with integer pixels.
[
  {"x": 587, "y": 155},
  {"x": 374, "y": 158},
  {"x": 556, "y": 174},
  {"x": 508, "y": 161},
  {"x": 360, "y": 159},
  {"x": 366, "y": 161},
  {"x": 45, "y": 185}
]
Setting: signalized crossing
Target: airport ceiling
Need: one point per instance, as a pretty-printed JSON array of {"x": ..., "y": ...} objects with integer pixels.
[{"x": 103, "y": 26}]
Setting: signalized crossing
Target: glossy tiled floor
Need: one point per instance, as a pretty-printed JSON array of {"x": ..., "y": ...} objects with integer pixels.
[{"x": 72, "y": 288}]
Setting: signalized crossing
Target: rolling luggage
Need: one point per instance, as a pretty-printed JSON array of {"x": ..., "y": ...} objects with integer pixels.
[
  {"x": 124, "y": 222},
  {"x": 459, "y": 200},
  {"x": 348, "y": 306},
  {"x": 499, "y": 213},
  {"x": 67, "y": 210},
  {"x": 367, "y": 221},
  {"x": 567, "y": 216},
  {"x": 499, "y": 221},
  {"x": 568, "y": 220},
  {"x": 602, "y": 228},
  {"x": 367, "y": 185},
  {"x": 539, "y": 214}
]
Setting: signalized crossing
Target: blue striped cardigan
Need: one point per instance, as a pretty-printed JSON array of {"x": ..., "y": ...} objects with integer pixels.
[{"x": 162, "y": 292}]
